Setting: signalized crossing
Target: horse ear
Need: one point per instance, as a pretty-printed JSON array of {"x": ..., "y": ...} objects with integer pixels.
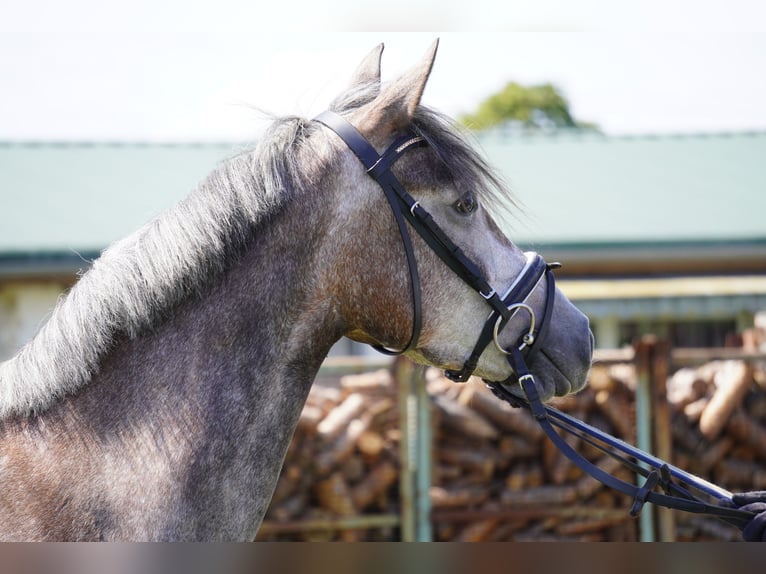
[
  {"x": 395, "y": 106},
  {"x": 368, "y": 72}
]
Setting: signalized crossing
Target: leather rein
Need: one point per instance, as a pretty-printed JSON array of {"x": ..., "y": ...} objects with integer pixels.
[{"x": 657, "y": 473}]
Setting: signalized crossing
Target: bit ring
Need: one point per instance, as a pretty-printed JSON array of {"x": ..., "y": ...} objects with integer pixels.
[{"x": 527, "y": 338}]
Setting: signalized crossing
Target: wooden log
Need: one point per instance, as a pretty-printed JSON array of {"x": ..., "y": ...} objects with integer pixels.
[
  {"x": 371, "y": 444},
  {"x": 343, "y": 446},
  {"x": 446, "y": 473},
  {"x": 756, "y": 405},
  {"x": 442, "y": 498},
  {"x": 375, "y": 382},
  {"x": 685, "y": 386},
  {"x": 684, "y": 434},
  {"x": 477, "y": 531},
  {"x": 464, "y": 421},
  {"x": 334, "y": 495},
  {"x": 481, "y": 460},
  {"x": 353, "y": 468},
  {"x": 501, "y": 414},
  {"x": 599, "y": 380},
  {"x": 740, "y": 473},
  {"x": 340, "y": 417},
  {"x": 712, "y": 453},
  {"x": 744, "y": 429},
  {"x": 543, "y": 495},
  {"x": 379, "y": 479},
  {"x": 732, "y": 382},
  {"x": 525, "y": 475},
  {"x": 586, "y": 526},
  {"x": 512, "y": 448},
  {"x": 324, "y": 398},
  {"x": 309, "y": 419},
  {"x": 693, "y": 410},
  {"x": 618, "y": 413},
  {"x": 625, "y": 375}
]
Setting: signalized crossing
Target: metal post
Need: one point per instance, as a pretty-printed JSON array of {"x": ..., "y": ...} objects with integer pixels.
[
  {"x": 644, "y": 426},
  {"x": 423, "y": 471},
  {"x": 414, "y": 452}
]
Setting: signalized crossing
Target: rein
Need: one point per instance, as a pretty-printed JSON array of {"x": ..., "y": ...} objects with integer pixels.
[{"x": 657, "y": 473}]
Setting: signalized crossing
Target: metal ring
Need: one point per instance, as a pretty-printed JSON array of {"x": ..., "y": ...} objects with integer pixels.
[
  {"x": 413, "y": 206},
  {"x": 527, "y": 339}
]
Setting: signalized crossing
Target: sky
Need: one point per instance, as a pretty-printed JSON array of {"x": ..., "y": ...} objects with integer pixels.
[{"x": 174, "y": 70}]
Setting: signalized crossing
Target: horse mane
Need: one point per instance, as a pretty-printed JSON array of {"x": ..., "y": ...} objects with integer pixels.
[{"x": 139, "y": 280}]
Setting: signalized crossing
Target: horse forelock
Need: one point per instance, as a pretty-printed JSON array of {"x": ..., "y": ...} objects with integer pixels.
[{"x": 138, "y": 280}]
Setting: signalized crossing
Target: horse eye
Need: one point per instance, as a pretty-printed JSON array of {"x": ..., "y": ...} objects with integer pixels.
[{"x": 466, "y": 204}]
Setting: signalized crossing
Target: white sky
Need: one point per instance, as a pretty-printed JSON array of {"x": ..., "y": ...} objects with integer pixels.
[{"x": 188, "y": 70}]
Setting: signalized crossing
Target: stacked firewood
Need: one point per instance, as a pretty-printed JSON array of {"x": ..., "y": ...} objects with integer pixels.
[
  {"x": 719, "y": 432},
  {"x": 495, "y": 475},
  {"x": 341, "y": 463}
]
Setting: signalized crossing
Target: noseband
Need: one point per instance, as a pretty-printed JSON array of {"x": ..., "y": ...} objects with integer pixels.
[{"x": 406, "y": 209}]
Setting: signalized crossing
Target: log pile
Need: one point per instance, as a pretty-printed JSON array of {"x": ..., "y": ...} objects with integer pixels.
[
  {"x": 495, "y": 476},
  {"x": 719, "y": 433}
]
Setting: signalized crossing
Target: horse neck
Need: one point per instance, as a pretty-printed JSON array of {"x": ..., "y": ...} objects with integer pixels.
[{"x": 217, "y": 388}]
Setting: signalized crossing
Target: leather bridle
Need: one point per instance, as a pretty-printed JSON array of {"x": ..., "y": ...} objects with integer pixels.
[{"x": 406, "y": 209}]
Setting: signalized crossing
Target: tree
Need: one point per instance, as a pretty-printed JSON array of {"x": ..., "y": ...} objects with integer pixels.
[{"x": 537, "y": 107}]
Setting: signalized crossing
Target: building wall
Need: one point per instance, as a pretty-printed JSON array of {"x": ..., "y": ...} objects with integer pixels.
[{"x": 24, "y": 306}]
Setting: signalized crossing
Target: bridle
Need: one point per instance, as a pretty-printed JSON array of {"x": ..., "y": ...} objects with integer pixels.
[{"x": 407, "y": 210}]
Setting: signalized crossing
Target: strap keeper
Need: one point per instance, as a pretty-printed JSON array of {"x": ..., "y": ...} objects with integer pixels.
[
  {"x": 643, "y": 493},
  {"x": 489, "y": 295}
]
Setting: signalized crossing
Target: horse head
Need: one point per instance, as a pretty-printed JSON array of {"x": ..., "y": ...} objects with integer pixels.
[{"x": 423, "y": 303}]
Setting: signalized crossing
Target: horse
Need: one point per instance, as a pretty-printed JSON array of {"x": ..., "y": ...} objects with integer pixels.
[{"x": 158, "y": 400}]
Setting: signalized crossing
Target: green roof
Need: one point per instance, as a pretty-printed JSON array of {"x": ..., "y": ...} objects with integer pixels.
[
  {"x": 83, "y": 196},
  {"x": 589, "y": 188},
  {"x": 576, "y": 189}
]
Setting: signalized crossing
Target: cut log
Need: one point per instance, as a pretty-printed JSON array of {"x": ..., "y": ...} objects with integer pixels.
[
  {"x": 383, "y": 476},
  {"x": 442, "y": 498},
  {"x": 463, "y": 420},
  {"x": 481, "y": 460},
  {"x": 379, "y": 381},
  {"x": 343, "y": 446},
  {"x": 501, "y": 414},
  {"x": 543, "y": 495},
  {"x": 618, "y": 413},
  {"x": 477, "y": 531},
  {"x": 334, "y": 495},
  {"x": 340, "y": 417},
  {"x": 732, "y": 381}
]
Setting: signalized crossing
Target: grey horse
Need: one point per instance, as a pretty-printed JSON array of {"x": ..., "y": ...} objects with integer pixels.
[{"x": 158, "y": 400}]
